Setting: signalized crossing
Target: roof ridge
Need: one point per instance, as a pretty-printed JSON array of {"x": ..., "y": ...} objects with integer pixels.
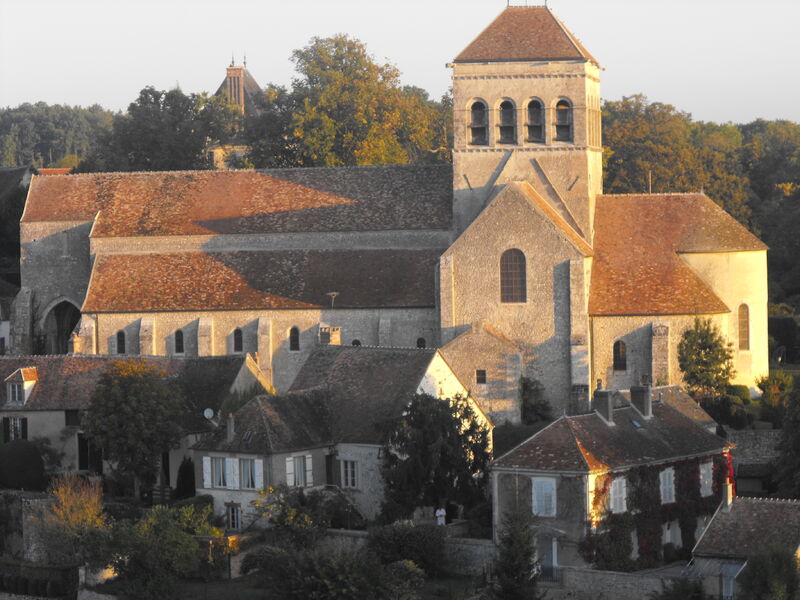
[{"x": 581, "y": 450}]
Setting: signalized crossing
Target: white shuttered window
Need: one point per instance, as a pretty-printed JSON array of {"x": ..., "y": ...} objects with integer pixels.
[
  {"x": 706, "y": 482},
  {"x": 667, "y": 477},
  {"x": 619, "y": 502}
]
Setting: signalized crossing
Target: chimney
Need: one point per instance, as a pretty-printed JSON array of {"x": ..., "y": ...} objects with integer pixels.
[
  {"x": 729, "y": 496},
  {"x": 642, "y": 400},
  {"x": 603, "y": 404},
  {"x": 330, "y": 336},
  {"x": 231, "y": 428}
]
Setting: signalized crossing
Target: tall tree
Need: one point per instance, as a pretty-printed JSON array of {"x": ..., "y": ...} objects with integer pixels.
[
  {"x": 133, "y": 416},
  {"x": 437, "y": 451},
  {"x": 705, "y": 358}
]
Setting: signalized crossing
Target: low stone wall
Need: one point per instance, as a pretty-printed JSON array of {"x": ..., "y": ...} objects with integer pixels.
[
  {"x": 590, "y": 584},
  {"x": 462, "y": 556}
]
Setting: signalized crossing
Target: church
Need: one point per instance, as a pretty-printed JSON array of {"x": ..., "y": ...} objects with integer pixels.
[{"x": 511, "y": 261}]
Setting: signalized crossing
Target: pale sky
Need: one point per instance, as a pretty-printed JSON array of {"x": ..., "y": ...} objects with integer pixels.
[{"x": 720, "y": 60}]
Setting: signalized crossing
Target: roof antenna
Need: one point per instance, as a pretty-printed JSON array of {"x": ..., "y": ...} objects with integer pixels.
[{"x": 333, "y": 296}]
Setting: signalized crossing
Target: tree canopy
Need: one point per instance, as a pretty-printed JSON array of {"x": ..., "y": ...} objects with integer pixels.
[
  {"x": 437, "y": 451},
  {"x": 705, "y": 358},
  {"x": 133, "y": 416}
]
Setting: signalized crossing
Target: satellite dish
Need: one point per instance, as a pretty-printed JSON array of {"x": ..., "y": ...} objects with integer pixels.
[{"x": 208, "y": 413}]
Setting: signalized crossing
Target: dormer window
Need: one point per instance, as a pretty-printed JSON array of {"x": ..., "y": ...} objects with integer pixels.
[
  {"x": 19, "y": 385},
  {"x": 16, "y": 393}
]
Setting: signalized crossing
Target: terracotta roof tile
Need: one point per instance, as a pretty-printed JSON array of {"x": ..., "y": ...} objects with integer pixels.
[
  {"x": 366, "y": 388},
  {"x": 525, "y": 33},
  {"x": 261, "y": 280},
  {"x": 637, "y": 268},
  {"x": 54, "y": 171},
  {"x": 752, "y": 526},
  {"x": 586, "y": 443},
  {"x": 67, "y": 382},
  {"x": 270, "y": 201}
]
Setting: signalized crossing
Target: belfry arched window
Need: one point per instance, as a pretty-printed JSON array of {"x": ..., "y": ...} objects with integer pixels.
[
  {"x": 508, "y": 123},
  {"x": 120, "y": 342},
  {"x": 294, "y": 339},
  {"x": 744, "y": 327},
  {"x": 564, "y": 121},
  {"x": 535, "y": 121},
  {"x": 238, "y": 341},
  {"x": 478, "y": 122},
  {"x": 513, "y": 286},
  {"x": 620, "y": 356},
  {"x": 179, "y": 341}
]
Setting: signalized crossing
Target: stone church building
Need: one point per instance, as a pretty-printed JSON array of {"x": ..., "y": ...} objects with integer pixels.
[{"x": 512, "y": 260}]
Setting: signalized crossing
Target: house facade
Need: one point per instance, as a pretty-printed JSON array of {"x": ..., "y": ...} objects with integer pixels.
[
  {"x": 617, "y": 486},
  {"x": 516, "y": 238}
]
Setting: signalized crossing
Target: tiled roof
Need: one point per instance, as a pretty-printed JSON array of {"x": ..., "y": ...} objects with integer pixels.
[
  {"x": 251, "y": 90},
  {"x": 554, "y": 216},
  {"x": 366, "y": 388},
  {"x": 67, "y": 382},
  {"x": 261, "y": 280},
  {"x": 525, "y": 33},
  {"x": 268, "y": 424},
  {"x": 637, "y": 268},
  {"x": 226, "y": 202},
  {"x": 751, "y": 526},
  {"x": 54, "y": 171},
  {"x": 586, "y": 443}
]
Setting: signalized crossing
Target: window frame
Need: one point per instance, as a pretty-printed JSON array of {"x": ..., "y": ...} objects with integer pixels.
[
  {"x": 348, "y": 471},
  {"x": 301, "y": 480},
  {"x": 507, "y": 108},
  {"x": 567, "y": 122},
  {"x": 247, "y": 473},
  {"x": 294, "y": 339},
  {"x": 743, "y": 318},
  {"x": 233, "y": 516},
  {"x": 531, "y": 123},
  {"x": 16, "y": 394},
  {"x": 513, "y": 277},
  {"x": 238, "y": 341},
  {"x": 178, "y": 342},
  {"x": 474, "y": 126},
  {"x": 619, "y": 495},
  {"x": 480, "y": 376},
  {"x": 219, "y": 479},
  {"x": 17, "y": 428},
  {"x": 666, "y": 486},
  {"x": 120, "y": 341},
  {"x": 620, "y": 356},
  {"x": 706, "y": 479},
  {"x": 551, "y": 481}
]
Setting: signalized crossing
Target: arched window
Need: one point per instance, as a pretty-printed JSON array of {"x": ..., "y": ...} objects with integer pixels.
[
  {"x": 356, "y": 342},
  {"x": 564, "y": 121},
  {"x": 508, "y": 123},
  {"x": 535, "y": 121},
  {"x": 744, "y": 327},
  {"x": 238, "y": 342},
  {"x": 294, "y": 339},
  {"x": 620, "y": 356},
  {"x": 421, "y": 343},
  {"x": 513, "y": 286},
  {"x": 477, "y": 124},
  {"x": 179, "y": 341},
  {"x": 120, "y": 342}
]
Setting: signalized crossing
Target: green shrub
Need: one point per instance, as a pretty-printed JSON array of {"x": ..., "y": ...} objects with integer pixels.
[
  {"x": 21, "y": 466},
  {"x": 421, "y": 544},
  {"x": 331, "y": 508},
  {"x": 199, "y": 501},
  {"x": 534, "y": 406},
  {"x": 740, "y": 391},
  {"x": 727, "y": 410}
]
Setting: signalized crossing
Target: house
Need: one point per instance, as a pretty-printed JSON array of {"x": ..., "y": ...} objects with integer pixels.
[
  {"x": 583, "y": 478},
  {"x": 328, "y": 430},
  {"x": 45, "y": 396},
  {"x": 741, "y": 529},
  {"x": 755, "y": 458},
  {"x": 512, "y": 260}
]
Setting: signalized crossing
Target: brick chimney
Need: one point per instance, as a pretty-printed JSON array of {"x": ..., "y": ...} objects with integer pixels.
[
  {"x": 603, "y": 405},
  {"x": 729, "y": 496},
  {"x": 642, "y": 400}
]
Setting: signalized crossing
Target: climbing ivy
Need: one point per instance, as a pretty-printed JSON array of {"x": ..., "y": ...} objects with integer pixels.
[{"x": 609, "y": 542}]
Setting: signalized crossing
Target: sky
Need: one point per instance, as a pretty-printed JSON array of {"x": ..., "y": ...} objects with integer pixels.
[{"x": 719, "y": 60}]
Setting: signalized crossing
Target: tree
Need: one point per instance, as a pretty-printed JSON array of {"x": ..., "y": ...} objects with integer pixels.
[
  {"x": 133, "y": 416},
  {"x": 74, "y": 523},
  {"x": 705, "y": 358},
  {"x": 437, "y": 451},
  {"x": 770, "y": 576},
  {"x": 516, "y": 559},
  {"x": 788, "y": 463}
]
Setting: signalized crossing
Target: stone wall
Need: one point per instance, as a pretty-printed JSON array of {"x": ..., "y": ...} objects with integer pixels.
[{"x": 590, "y": 584}]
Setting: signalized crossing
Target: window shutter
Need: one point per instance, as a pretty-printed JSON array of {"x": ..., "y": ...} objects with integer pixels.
[
  {"x": 289, "y": 471},
  {"x": 259, "y": 478},
  {"x": 206, "y": 471},
  {"x": 232, "y": 473},
  {"x": 309, "y": 471},
  {"x": 549, "y": 508},
  {"x": 23, "y": 426}
]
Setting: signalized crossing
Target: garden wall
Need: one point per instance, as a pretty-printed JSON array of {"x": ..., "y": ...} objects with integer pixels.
[{"x": 591, "y": 584}]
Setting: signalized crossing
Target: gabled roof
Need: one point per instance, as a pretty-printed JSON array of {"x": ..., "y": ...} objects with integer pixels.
[
  {"x": 23, "y": 375},
  {"x": 552, "y": 214},
  {"x": 366, "y": 388},
  {"x": 270, "y": 424},
  {"x": 251, "y": 90},
  {"x": 199, "y": 281},
  {"x": 638, "y": 240},
  {"x": 751, "y": 526},
  {"x": 68, "y": 382},
  {"x": 586, "y": 443},
  {"x": 248, "y": 202},
  {"x": 525, "y": 33}
]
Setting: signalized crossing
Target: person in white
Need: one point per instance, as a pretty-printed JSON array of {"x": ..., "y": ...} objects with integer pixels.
[{"x": 440, "y": 515}]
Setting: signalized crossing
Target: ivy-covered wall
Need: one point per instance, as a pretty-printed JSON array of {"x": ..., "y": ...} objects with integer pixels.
[{"x": 634, "y": 539}]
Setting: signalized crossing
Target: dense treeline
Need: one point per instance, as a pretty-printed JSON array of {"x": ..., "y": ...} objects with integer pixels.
[{"x": 344, "y": 108}]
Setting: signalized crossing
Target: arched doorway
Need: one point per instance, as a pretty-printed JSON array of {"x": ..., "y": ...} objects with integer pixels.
[{"x": 58, "y": 326}]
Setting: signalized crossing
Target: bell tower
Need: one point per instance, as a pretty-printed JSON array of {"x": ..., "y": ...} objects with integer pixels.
[{"x": 526, "y": 102}]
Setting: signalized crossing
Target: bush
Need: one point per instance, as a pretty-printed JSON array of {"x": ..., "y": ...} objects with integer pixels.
[
  {"x": 331, "y": 508},
  {"x": 727, "y": 410},
  {"x": 516, "y": 559},
  {"x": 740, "y": 391},
  {"x": 303, "y": 574},
  {"x": 534, "y": 407},
  {"x": 199, "y": 501},
  {"x": 288, "y": 511},
  {"x": 421, "y": 544},
  {"x": 21, "y": 466}
]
